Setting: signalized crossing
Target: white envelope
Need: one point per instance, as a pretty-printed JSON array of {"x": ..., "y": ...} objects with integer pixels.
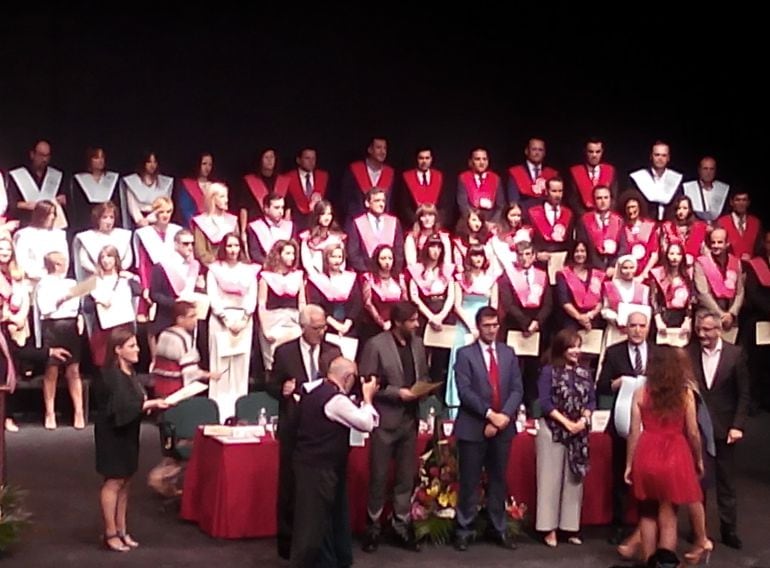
[
  {"x": 730, "y": 336},
  {"x": 628, "y": 387},
  {"x": 444, "y": 339},
  {"x": 591, "y": 341},
  {"x": 555, "y": 264},
  {"x": 524, "y": 346},
  {"x": 763, "y": 332}
]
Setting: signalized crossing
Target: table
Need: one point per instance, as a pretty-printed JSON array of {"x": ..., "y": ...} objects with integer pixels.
[{"x": 230, "y": 490}]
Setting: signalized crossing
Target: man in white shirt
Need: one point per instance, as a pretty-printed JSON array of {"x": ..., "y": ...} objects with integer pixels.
[
  {"x": 326, "y": 415},
  {"x": 722, "y": 375}
]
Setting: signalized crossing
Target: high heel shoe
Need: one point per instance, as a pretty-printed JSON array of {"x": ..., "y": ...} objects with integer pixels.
[
  {"x": 700, "y": 554},
  {"x": 120, "y": 546},
  {"x": 127, "y": 540},
  {"x": 629, "y": 550}
]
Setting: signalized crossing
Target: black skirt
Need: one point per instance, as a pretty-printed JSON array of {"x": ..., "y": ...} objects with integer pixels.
[
  {"x": 62, "y": 333},
  {"x": 117, "y": 448}
]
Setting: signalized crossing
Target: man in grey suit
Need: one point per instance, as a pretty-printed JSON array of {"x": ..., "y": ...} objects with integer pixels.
[
  {"x": 490, "y": 389},
  {"x": 723, "y": 378},
  {"x": 397, "y": 358}
]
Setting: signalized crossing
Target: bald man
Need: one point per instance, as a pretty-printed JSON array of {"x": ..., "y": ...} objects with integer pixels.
[
  {"x": 326, "y": 415},
  {"x": 36, "y": 181}
]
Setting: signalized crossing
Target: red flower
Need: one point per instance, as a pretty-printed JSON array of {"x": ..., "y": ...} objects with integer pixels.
[{"x": 433, "y": 472}]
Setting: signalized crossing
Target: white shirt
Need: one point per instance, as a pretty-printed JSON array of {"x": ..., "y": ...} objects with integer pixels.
[
  {"x": 737, "y": 221},
  {"x": 529, "y": 274},
  {"x": 420, "y": 175},
  {"x": 480, "y": 178},
  {"x": 603, "y": 219},
  {"x": 532, "y": 173},
  {"x": 306, "y": 349},
  {"x": 710, "y": 360},
  {"x": 551, "y": 213},
  {"x": 485, "y": 351},
  {"x": 374, "y": 174},
  {"x": 342, "y": 410},
  {"x": 642, "y": 351},
  {"x": 303, "y": 175},
  {"x": 594, "y": 172},
  {"x": 375, "y": 222}
]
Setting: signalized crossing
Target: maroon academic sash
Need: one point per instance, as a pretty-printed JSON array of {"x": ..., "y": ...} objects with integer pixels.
[
  {"x": 297, "y": 190},
  {"x": 487, "y": 190},
  {"x": 675, "y": 292},
  {"x": 761, "y": 269},
  {"x": 604, "y": 239},
  {"x": 195, "y": 192},
  {"x": 741, "y": 246},
  {"x": 551, "y": 233},
  {"x": 529, "y": 296},
  {"x": 613, "y": 296}
]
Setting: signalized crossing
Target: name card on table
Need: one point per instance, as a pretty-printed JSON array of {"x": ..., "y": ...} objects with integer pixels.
[
  {"x": 599, "y": 420},
  {"x": 763, "y": 332}
]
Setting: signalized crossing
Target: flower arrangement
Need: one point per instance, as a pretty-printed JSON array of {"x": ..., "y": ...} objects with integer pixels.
[
  {"x": 13, "y": 517},
  {"x": 435, "y": 497}
]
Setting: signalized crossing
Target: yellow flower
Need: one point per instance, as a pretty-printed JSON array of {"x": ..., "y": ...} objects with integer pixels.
[{"x": 448, "y": 499}]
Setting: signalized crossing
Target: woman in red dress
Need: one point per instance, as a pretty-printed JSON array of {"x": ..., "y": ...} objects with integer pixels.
[{"x": 664, "y": 459}]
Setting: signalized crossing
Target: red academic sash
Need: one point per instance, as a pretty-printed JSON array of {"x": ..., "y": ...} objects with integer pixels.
[
  {"x": 195, "y": 192},
  {"x": 530, "y": 297},
  {"x": 266, "y": 237},
  {"x": 741, "y": 246},
  {"x": 585, "y": 185},
  {"x": 722, "y": 286},
  {"x": 527, "y": 186},
  {"x": 761, "y": 269},
  {"x": 586, "y": 297},
  {"x": 180, "y": 280},
  {"x": 259, "y": 190},
  {"x": 613, "y": 296},
  {"x": 676, "y": 292},
  {"x": 213, "y": 232},
  {"x": 297, "y": 190},
  {"x": 551, "y": 233},
  {"x": 435, "y": 283},
  {"x": 641, "y": 242},
  {"x": 370, "y": 240},
  {"x": 604, "y": 239},
  {"x": 236, "y": 282},
  {"x": 361, "y": 175},
  {"x": 335, "y": 289},
  {"x": 420, "y": 193},
  {"x": 386, "y": 290},
  {"x": 488, "y": 189},
  {"x": 286, "y": 285},
  {"x": 695, "y": 237}
]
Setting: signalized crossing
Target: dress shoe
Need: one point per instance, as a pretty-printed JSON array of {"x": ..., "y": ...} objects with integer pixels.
[
  {"x": 617, "y": 536},
  {"x": 461, "y": 543},
  {"x": 730, "y": 538},
  {"x": 504, "y": 541},
  {"x": 371, "y": 542},
  {"x": 406, "y": 539}
]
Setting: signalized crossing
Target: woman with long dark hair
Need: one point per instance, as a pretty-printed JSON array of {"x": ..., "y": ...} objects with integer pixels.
[
  {"x": 664, "y": 457},
  {"x": 672, "y": 292},
  {"x": 322, "y": 232},
  {"x": 567, "y": 399},
  {"x": 120, "y": 401}
]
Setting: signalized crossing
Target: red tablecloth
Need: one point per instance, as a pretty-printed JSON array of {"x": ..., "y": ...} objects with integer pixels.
[{"x": 230, "y": 489}]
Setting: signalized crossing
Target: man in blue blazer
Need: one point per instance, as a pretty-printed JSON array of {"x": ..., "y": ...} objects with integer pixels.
[{"x": 490, "y": 389}]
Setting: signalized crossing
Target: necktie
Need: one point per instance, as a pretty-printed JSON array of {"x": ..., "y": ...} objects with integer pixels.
[
  {"x": 377, "y": 224},
  {"x": 308, "y": 184},
  {"x": 313, "y": 366},
  {"x": 481, "y": 179},
  {"x": 594, "y": 174},
  {"x": 638, "y": 368},
  {"x": 742, "y": 225},
  {"x": 537, "y": 171},
  {"x": 425, "y": 179},
  {"x": 494, "y": 379}
]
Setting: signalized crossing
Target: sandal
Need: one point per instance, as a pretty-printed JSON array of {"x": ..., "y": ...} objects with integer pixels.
[
  {"x": 127, "y": 540},
  {"x": 115, "y": 547},
  {"x": 576, "y": 540},
  {"x": 550, "y": 540}
]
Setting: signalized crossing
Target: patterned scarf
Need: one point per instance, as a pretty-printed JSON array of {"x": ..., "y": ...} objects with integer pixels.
[{"x": 570, "y": 391}]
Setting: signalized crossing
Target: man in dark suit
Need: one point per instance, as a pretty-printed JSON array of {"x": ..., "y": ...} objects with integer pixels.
[
  {"x": 723, "y": 378},
  {"x": 305, "y": 359},
  {"x": 397, "y": 358},
  {"x": 627, "y": 358},
  {"x": 490, "y": 389}
]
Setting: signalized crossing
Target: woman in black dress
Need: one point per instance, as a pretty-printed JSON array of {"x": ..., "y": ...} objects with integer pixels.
[{"x": 121, "y": 401}]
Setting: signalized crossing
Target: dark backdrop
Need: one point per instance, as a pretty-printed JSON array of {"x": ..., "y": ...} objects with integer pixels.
[{"x": 234, "y": 80}]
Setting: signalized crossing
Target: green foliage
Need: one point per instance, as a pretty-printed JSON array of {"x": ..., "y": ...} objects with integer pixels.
[{"x": 13, "y": 517}]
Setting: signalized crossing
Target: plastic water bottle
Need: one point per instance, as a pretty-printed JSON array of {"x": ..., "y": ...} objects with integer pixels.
[
  {"x": 262, "y": 417},
  {"x": 431, "y": 420},
  {"x": 521, "y": 418}
]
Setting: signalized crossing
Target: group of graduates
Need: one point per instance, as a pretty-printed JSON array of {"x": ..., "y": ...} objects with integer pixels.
[{"x": 547, "y": 250}]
